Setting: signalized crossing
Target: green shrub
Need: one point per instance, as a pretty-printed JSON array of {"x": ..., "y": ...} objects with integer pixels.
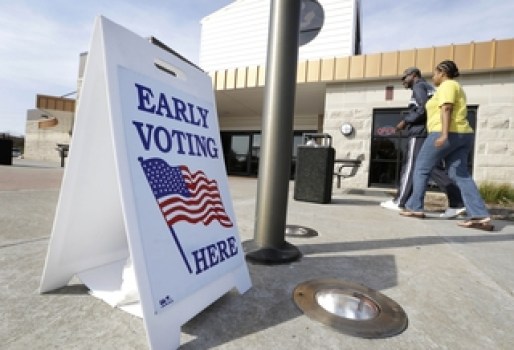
[{"x": 496, "y": 193}]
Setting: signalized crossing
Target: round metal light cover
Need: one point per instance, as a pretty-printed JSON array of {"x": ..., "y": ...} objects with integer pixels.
[
  {"x": 346, "y": 129},
  {"x": 300, "y": 231},
  {"x": 350, "y": 308},
  {"x": 353, "y": 307}
]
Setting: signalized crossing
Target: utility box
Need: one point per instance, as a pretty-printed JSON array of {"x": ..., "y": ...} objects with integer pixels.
[
  {"x": 6, "y": 151},
  {"x": 314, "y": 169}
]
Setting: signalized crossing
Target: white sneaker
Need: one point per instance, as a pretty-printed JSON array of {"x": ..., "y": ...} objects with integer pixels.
[
  {"x": 451, "y": 213},
  {"x": 390, "y": 204}
]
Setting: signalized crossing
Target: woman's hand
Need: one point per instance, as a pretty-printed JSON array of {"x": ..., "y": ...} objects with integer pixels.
[{"x": 440, "y": 141}]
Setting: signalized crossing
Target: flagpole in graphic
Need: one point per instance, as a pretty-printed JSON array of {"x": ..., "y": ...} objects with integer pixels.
[
  {"x": 151, "y": 176},
  {"x": 180, "y": 249},
  {"x": 184, "y": 196}
]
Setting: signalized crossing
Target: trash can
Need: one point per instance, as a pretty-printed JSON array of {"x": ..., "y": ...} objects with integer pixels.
[
  {"x": 314, "y": 169},
  {"x": 63, "y": 151},
  {"x": 6, "y": 151}
]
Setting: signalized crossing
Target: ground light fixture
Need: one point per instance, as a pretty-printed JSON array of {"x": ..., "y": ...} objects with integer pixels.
[
  {"x": 350, "y": 308},
  {"x": 300, "y": 231}
]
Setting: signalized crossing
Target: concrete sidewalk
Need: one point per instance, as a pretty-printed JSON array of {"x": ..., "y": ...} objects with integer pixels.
[{"x": 456, "y": 285}]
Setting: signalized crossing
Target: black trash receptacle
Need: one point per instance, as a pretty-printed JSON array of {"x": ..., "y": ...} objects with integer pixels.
[
  {"x": 6, "y": 151},
  {"x": 63, "y": 152},
  {"x": 314, "y": 169}
]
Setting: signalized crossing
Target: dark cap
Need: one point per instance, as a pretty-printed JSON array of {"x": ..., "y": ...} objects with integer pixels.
[{"x": 410, "y": 71}]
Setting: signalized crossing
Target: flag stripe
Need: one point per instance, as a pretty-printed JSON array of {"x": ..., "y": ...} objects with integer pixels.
[
  {"x": 197, "y": 213},
  {"x": 183, "y": 195}
]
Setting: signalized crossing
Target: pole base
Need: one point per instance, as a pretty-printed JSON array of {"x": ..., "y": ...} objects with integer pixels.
[{"x": 271, "y": 255}]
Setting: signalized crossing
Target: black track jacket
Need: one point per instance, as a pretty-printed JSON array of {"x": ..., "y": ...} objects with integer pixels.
[{"x": 416, "y": 117}]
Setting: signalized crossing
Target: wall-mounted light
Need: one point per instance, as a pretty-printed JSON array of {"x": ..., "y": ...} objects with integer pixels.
[{"x": 346, "y": 129}]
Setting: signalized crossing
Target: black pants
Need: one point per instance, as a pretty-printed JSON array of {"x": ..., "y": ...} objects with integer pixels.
[{"x": 438, "y": 174}]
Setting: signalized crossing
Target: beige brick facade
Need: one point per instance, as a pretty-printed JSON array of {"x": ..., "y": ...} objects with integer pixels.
[
  {"x": 353, "y": 87},
  {"x": 492, "y": 93}
]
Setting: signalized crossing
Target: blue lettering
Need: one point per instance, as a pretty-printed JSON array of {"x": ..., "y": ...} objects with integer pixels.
[
  {"x": 211, "y": 147},
  {"x": 190, "y": 144},
  {"x": 163, "y": 143},
  {"x": 180, "y": 136},
  {"x": 165, "y": 140},
  {"x": 222, "y": 247},
  {"x": 192, "y": 112},
  {"x": 203, "y": 115},
  {"x": 145, "y": 139},
  {"x": 232, "y": 246},
  {"x": 144, "y": 94},
  {"x": 183, "y": 111},
  {"x": 213, "y": 257},
  {"x": 163, "y": 104},
  {"x": 201, "y": 146},
  {"x": 213, "y": 254},
  {"x": 180, "y": 110},
  {"x": 200, "y": 260}
]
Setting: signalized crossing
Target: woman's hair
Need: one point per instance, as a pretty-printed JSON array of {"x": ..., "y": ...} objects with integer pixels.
[{"x": 449, "y": 68}]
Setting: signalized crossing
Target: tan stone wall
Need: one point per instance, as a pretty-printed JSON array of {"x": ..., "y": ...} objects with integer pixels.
[
  {"x": 494, "y": 143},
  {"x": 41, "y": 143},
  {"x": 354, "y": 103},
  {"x": 493, "y": 93}
]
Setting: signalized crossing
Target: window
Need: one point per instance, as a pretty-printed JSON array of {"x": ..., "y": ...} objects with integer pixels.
[
  {"x": 242, "y": 151},
  {"x": 388, "y": 147}
]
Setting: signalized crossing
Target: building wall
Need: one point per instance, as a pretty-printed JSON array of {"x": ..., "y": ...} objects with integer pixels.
[
  {"x": 237, "y": 35},
  {"x": 41, "y": 142},
  {"x": 494, "y": 148},
  {"x": 352, "y": 86},
  {"x": 48, "y": 125},
  {"x": 493, "y": 93},
  {"x": 254, "y": 123}
]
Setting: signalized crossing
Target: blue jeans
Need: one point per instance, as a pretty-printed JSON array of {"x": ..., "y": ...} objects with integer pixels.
[{"x": 455, "y": 153}]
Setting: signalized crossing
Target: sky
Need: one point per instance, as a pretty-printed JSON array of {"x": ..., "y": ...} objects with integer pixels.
[{"x": 40, "y": 41}]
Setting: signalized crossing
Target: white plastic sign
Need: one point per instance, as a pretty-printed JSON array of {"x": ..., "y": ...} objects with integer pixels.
[{"x": 145, "y": 190}]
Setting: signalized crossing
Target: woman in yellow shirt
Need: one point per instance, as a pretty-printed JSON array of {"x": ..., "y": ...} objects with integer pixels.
[{"x": 450, "y": 137}]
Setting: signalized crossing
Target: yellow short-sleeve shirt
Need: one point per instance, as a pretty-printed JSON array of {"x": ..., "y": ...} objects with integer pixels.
[{"x": 449, "y": 91}]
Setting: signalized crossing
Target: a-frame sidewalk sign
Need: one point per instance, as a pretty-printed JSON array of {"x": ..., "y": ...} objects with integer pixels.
[{"x": 145, "y": 186}]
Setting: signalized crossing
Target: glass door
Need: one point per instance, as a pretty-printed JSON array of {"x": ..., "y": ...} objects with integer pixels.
[
  {"x": 255, "y": 154},
  {"x": 236, "y": 150},
  {"x": 388, "y": 147},
  {"x": 242, "y": 152}
]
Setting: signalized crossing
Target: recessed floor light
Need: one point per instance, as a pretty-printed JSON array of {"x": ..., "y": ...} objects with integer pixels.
[{"x": 350, "y": 308}]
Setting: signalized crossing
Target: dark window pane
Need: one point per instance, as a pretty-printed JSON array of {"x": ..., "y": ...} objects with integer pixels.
[
  {"x": 242, "y": 151},
  {"x": 383, "y": 173},
  {"x": 388, "y": 148}
]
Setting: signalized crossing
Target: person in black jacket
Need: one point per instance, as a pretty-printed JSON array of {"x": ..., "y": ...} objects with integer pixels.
[{"x": 414, "y": 122}]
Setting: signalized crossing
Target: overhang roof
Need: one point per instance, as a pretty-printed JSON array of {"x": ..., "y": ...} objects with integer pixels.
[
  {"x": 239, "y": 91},
  {"x": 46, "y": 102}
]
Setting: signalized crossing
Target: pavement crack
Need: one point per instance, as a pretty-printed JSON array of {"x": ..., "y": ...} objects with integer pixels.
[{"x": 8, "y": 245}]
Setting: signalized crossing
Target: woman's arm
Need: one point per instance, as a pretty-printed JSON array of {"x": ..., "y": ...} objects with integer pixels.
[{"x": 446, "y": 114}]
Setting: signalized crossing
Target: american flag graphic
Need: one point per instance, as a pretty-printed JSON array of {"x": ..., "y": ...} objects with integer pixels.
[{"x": 183, "y": 195}]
